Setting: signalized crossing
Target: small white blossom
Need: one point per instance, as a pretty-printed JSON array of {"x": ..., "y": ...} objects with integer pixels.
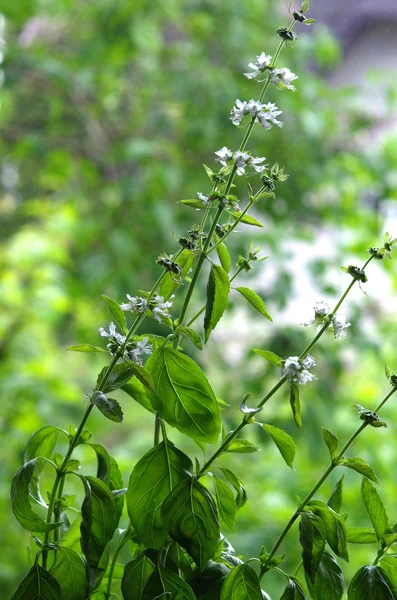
[
  {"x": 135, "y": 304},
  {"x": 296, "y": 371},
  {"x": 141, "y": 347},
  {"x": 321, "y": 310},
  {"x": 204, "y": 199},
  {"x": 268, "y": 116},
  {"x": 259, "y": 66},
  {"x": 244, "y": 159},
  {"x": 115, "y": 338},
  {"x": 160, "y": 308},
  {"x": 224, "y": 155},
  {"x": 283, "y": 76},
  {"x": 339, "y": 325},
  {"x": 239, "y": 111}
]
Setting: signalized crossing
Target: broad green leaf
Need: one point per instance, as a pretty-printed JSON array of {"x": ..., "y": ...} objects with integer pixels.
[
  {"x": 69, "y": 570},
  {"x": 218, "y": 289},
  {"x": 85, "y": 348},
  {"x": 361, "y": 535},
  {"x": 117, "y": 313},
  {"x": 193, "y": 336},
  {"x": 225, "y": 501},
  {"x": 109, "y": 407},
  {"x": 38, "y": 584},
  {"x": 241, "y": 447},
  {"x": 375, "y": 509},
  {"x": 224, "y": 257},
  {"x": 312, "y": 539},
  {"x": 329, "y": 580},
  {"x": 190, "y": 517},
  {"x": 242, "y": 583},
  {"x": 208, "y": 583},
  {"x": 247, "y": 219},
  {"x": 184, "y": 397},
  {"x": 136, "y": 390},
  {"x": 358, "y": 464},
  {"x": 169, "y": 284},
  {"x": 370, "y": 583},
  {"x": 335, "y": 527},
  {"x": 143, "y": 375},
  {"x": 255, "y": 301},
  {"x": 153, "y": 478},
  {"x": 136, "y": 573},
  {"x": 164, "y": 583},
  {"x": 293, "y": 591},
  {"x": 388, "y": 566},
  {"x": 284, "y": 443},
  {"x": 332, "y": 442},
  {"x": 241, "y": 497},
  {"x": 99, "y": 520},
  {"x": 295, "y": 403},
  {"x": 335, "y": 499},
  {"x": 119, "y": 376},
  {"x": 21, "y": 501},
  {"x": 71, "y": 539},
  {"x": 270, "y": 357}
]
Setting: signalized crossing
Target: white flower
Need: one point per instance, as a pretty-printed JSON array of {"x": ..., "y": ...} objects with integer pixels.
[
  {"x": 292, "y": 369},
  {"x": 268, "y": 116},
  {"x": 160, "y": 308},
  {"x": 257, "y": 164},
  {"x": 339, "y": 325},
  {"x": 239, "y": 111},
  {"x": 283, "y": 76},
  {"x": 224, "y": 155},
  {"x": 116, "y": 337},
  {"x": 204, "y": 199},
  {"x": 135, "y": 304},
  {"x": 321, "y": 310},
  {"x": 244, "y": 159},
  {"x": 259, "y": 66},
  {"x": 142, "y": 347}
]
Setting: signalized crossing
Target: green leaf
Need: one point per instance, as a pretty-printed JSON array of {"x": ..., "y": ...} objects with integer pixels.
[
  {"x": 241, "y": 447},
  {"x": 358, "y": 464},
  {"x": 255, "y": 301},
  {"x": 226, "y": 503},
  {"x": 116, "y": 483},
  {"x": 335, "y": 527},
  {"x": 190, "y": 516},
  {"x": 284, "y": 443},
  {"x": 270, "y": 357},
  {"x": 305, "y": 6},
  {"x": 361, "y": 535},
  {"x": 370, "y": 583},
  {"x": 332, "y": 442},
  {"x": 136, "y": 390},
  {"x": 218, "y": 289},
  {"x": 335, "y": 499},
  {"x": 247, "y": 219},
  {"x": 109, "y": 407},
  {"x": 295, "y": 403},
  {"x": 184, "y": 397},
  {"x": 71, "y": 539},
  {"x": 153, "y": 478},
  {"x": 242, "y": 583},
  {"x": 38, "y": 584},
  {"x": 375, "y": 509},
  {"x": 69, "y": 570},
  {"x": 103, "y": 459},
  {"x": 208, "y": 583},
  {"x": 312, "y": 539},
  {"x": 143, "y": 375},
  {"x": 293, "y": 591},
  {"x": 21, "y": 501},
  {"x": 117, "y": 313},
  {"x": 163, "y": 583},
  {"x": 238, "y": 485},
  {"x": 108, "y": 471},
  {"x": 119, "y": 376},
  {"x": 224, "y": 257},
  {"x": 193, "y": 336},
  {"x": 99, "y": 520},
  {"x": 193, "y": 202},
  {"x": 85, "y": 348},
  {"x": 388, "y": 567},
  {"x": 169, "y": 285},
  {"x": 136, "y": 573},
  {"x": 329, "y": 583}
]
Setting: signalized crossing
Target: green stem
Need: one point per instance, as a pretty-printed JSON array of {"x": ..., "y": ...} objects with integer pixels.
[
  {"x": 157, "y": 428},
  {"x": 332, "y": 466}
]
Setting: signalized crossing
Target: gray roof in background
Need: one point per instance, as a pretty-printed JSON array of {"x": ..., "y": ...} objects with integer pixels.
[{"x": 347, "y": 18}]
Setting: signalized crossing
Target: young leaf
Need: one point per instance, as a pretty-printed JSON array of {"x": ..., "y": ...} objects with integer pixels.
[
  {"x": 329, "y": 580},
  {"x": 152, "y": 480},
  {"x": 170, "y": 285},
  {"x": 358, "y": 464},
  {"x": 247, "y": 219},
  {"x": 375, "y": 509},
  {"x": 109, "y": 407},
  {"x": 136, "y": 573},
  {"x": 117, "y": 313},
  {"x": 238, "y": 485},
  {"x": 193, "y": 336},
  {"x": 193, "y": 202},
  {"x": 184, "y": 397},
  {"x": 69, "y": 571},
  {"x": 85, "y": 348},
  {"x": 335, "y": 499},
  {"x": 312, "y": 539},
  {"x": 103, "y": 459},
  {"x": 361, "y": 535},
  {"x": 143, "y": 376},
  {"x": 218, "y": 289},
  {"x": 21, "y": 501},
  {"x": 38, "y": 584},
  {"x": 190, "y": 517},
  {"x": 255, "y": 301},
  {"x": 284, "y": 443},
  {"x": 241, "y": 447},
  {"x": 242, "y": 583},
  {"x": 370, "y": 583},
  {"x": 225, "y": 501},
  {"x": 224, "y": 256},
  {"x": 388, "y": 567},
  {"x": 295, "y": 403},
  {"x": 332, "y": 442},
  {"x": 335, "y": 528},
  {"x": 119, "y": 376},
  {"x": 136, "y": 390},
  {"x": 108, "y": 471},
  {"x": 270, "y": 357},
  {"x": 293, "y": 591}
]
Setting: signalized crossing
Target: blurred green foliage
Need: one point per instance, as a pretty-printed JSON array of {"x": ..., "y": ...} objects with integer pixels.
[{"x": 108, "y": 111}]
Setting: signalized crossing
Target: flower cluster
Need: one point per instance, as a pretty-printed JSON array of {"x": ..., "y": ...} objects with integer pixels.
[
  {"x": 115, "y": 339},
  {"x": 265, "y": 114},
  {"x": 242, "y": 160},
  {"x": 282, "y": 78},
  {"x": 297, "y": 371},
  {"x": 338, "y": 321},
  {"x": 133, "y": 350},
  {"x": 157, "y": 305},
  {"x": 259, "y": 66}
]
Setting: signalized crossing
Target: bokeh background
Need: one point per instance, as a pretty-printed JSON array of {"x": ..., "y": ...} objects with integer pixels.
[{"x": 108, "y": 110}]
